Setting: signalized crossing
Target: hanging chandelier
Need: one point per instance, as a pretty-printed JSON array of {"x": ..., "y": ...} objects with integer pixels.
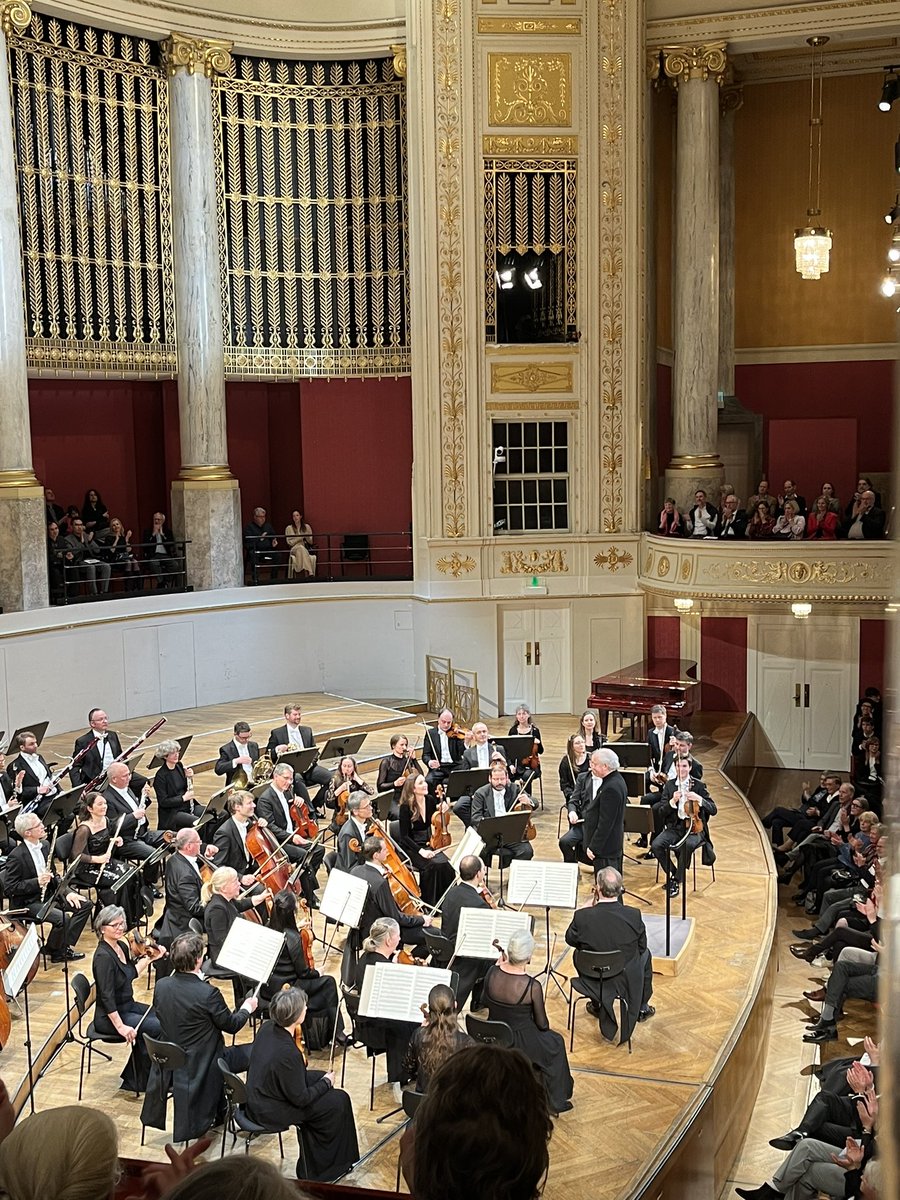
[{"x": 812, "y": 243}]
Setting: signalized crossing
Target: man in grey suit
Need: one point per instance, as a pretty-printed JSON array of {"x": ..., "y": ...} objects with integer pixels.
[
  {"x": 477, "y": 757},
  {"x": 494, "y": 800}
]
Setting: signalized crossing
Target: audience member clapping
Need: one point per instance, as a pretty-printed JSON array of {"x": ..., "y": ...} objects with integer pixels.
[
  {"x": 93, "y": 512},
  {"x": 790, "y": 525},
  {"x": 671, "y": 522},
  {"x": 822, "y": 522},
  {"x": 761, "y": 524}
]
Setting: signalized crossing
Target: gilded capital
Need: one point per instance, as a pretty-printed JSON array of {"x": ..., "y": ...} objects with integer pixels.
[
  {"x": 15, "y": 16},
  {"x": 731, "y": 98},
  {"x": 197, "y": 56},
  {"x": 399, "y": 53},
  {"x": 694, "y": 62}
]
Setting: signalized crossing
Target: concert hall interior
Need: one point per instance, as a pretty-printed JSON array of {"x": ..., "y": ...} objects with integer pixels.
[{"x": 398, "y": 357}]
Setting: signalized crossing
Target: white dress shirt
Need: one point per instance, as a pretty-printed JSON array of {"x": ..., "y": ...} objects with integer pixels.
[{"x": 130, "y": 801}]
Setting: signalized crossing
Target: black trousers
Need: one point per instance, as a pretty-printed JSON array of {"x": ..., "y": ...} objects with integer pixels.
[{"x": 67, "y": 923}]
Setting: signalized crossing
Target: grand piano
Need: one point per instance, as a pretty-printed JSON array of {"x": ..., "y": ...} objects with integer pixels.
[{"x": 632, "y": 692}]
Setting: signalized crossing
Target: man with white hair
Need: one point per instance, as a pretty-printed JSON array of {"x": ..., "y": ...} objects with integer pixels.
[{"x": 604, "y": 796}]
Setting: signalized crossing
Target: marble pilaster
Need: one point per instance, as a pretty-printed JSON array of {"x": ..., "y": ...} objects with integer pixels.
[
  {"x": 23, "y": 532},
  {"x": 696, "y": 71},
  {"x": 731, "y": 100},
  {"x": 205, "y": 498}
]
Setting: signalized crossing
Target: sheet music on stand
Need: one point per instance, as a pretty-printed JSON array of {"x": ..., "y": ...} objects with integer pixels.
[
  {"x": 344, "y": 898},
  {"x": 396, "y": 992},
  {"x": 479, "y": 926},
  {"x": 22, "y": 961},
  {"x": 542, "y": 884},
  {"x": 469, "y": 843},
  {"x": 250, "y": 950}
]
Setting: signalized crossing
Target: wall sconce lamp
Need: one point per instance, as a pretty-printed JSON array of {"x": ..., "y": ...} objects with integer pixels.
[
  {"x": 683, "y": 605},
  {"x": 801, "y": 610}
]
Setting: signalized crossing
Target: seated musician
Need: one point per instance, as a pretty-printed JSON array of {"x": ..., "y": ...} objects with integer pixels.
[
  {"x": 173, "y": 785},
  {"x": 605, "y": 924},
  {"x": 574, "y": 763},
  {"x": 477, "y": 757},
  {"x": 344, "y": 783},
  {"x": 92, "y": 843},
  {"x": 293, "y": 735},
  {"x": 524, "y": 726},
  {"x": 660, "y": 800},
  {"x": 237, "y": 755},
  {"x": 29, "y": 880},
  {"x": 470, "y": 892},
  {"x": 10, "y": 804},
  {"x": 139, "y": 840},
  {"x": 295, "y": 966},
  {"x": 231, "y": 837},
  {"x": 183, "y": 887},
  {"x": 116, "y": 1010},
  {"x": 417, "y": 807},
  {"x": 589, "y": 729},
  {"x": 441, "y": 750},
  {"x": 34, "y": 785},
  {"x": 380, "y": 901},
  {"x": 677, "y": 834},
  {"x": 193, "y": 1014},
  {"x": 434, "y": 1042},
  {"x": 495, "y": 799},
  {"x": 282, "y": 1091},
  {"x": 394, "y": 770},
  {"x": 273, "y": 806},
  {"x": 222, "y": 905},
  {"x": 98, "y": 758},
  {"x": 382, "y": 1033},
  {"x": 353, "y": 832},
  {"x": 682, "y": 748}
]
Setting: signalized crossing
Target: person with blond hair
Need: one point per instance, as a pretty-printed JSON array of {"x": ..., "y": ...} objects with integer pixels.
[{"x": 69, "y": 1153}]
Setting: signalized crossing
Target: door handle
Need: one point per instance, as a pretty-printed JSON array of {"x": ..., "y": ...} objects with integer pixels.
[
  {"x": 537, "y": 654},
  {"x": 806, "y": 695},
  {"x": 528, "y": 654},
  {"x": 797, "y": 695}
]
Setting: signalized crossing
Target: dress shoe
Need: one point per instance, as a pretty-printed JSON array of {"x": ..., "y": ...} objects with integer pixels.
[
  {"x": 763, "y": 1192},
  {"x": 646, "y": 1012},
  {"x": 672, "y": 888},
  {"x": 806, "y": 934},
  {"x": 642, "y": 842},
  {"x": 818, "y": 995},
  {"x": 821, "y": 1033},
  {"x": 593, "y": 1008},
  {"x": 157, "y": 894},
  {"x": 788, "y": 1140},
  {"x": 567, "y": 1107},
  {"x": 806, "y": 952},
  {"x": 66, "y": 956}
]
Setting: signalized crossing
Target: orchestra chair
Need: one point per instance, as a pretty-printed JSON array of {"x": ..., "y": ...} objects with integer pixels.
[
  {"x": 491, "y": 1033},
  {"x": 168, "y": 1057},
  {"x": 196, "y": 926},
  {"x": 712, "y": 866},
  {"x": 351, "y": 1003},
  {"x": 411, "y": 1102},
  {"x": 355, "y": 549},
  {"x": 81, "y": 988},
  {"x": 236, "y": 1119},
  {"x": 605, "y": 967},
  {"x": 439, "y": 946}
]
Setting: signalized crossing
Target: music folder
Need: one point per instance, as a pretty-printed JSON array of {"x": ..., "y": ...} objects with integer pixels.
[
  {"x": 542, "y": 884},
  {"x": 300, "y": 760},
  {"x": 250, "y": 950},
  {"x": 479, "y": 926},
  {"x": 503, "y": 830},
  {"x": 396, "y": 992},
  {"x": 39, "y": 729},
  {"x": 632, "y": 754},
  {"x": 63, "y": 805},
  {"x": 183, "y": 742}
]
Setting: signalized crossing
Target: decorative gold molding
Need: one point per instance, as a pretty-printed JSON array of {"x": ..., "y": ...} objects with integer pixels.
[
  {"x": 798, "y": 573},
  {"x": 455, "y": 565},
  {"x": 511, "y": 407},
  {"x": 197, "y": 56},
  {"x": 534, "y": 562},
  {"x": 15, "y": 17},
  {"x": 552, "y": 25},
  {"x": 695, "y": 62},
  {"x": 530, "y": 378},
  {"x": 687, "y": 566},
  {"x": 530, "y": 89},
  {"x": 399, "y": 53},
  {"x": 18, "y": 477},
  {"x": 527, "y": 145},
  {"x": 213, "y": 474},
  {"x": 663, "y": 566},
  {"x": 613, "y": 559}
]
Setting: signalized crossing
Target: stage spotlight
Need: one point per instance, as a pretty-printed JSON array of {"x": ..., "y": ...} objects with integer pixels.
[
  {"x": 891, "y": 216},
  {"x": 889, "y": 93},
  {"x": 532, "y": 279},
  {"x": 889, "y": 286},
  {"x": 505, "y": 279}
]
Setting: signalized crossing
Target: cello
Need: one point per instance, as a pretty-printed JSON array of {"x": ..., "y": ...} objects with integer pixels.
[{"x": 403, "y": 884}]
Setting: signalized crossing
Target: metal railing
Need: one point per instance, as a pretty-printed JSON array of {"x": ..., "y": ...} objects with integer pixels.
[
  {"x": 98, "y": 577},
  {"x": 337, "y": 556}
]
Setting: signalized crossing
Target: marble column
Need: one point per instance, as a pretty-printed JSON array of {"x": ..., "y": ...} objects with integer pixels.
[
  {"x": 206, "y": 506},
  {"x": 696, "y": 71},
  {"x": 731, "y": 99},
  {"x": 23, "y": 529}
]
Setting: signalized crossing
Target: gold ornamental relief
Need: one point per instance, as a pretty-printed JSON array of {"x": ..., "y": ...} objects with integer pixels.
[
  {"x": 799, "y": 573},
  {"x": 534, "y": 562},
  {"x": 197, "y": 56},
  {"x": 662, "y": 567},
  {"x": 455, "y": 564},
  {"x": 15, "y": 17},
  {"x": 694, "y": 62},
  {"x": 399, "y": 53},
  {"x": 530, "y": 378},
  {"x": 614, "y": 559},
  {"x": 687, "y": 565},
  {"x": 530, "y": 89},
  {"x": 552, "y": 25},
  {"x": 527, "y": 145}
]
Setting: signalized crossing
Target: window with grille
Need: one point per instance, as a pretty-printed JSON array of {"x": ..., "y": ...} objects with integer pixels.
[{"x": 531, "y": 476}]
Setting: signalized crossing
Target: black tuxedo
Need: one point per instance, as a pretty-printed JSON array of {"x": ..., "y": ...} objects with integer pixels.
[
  {"x": 483, "y": 808},
  {"x": 615, "y": 926},
  {"x": 431, "y": 748},
  {"x": 92, "y": 764},
  {"x": 30, "y": 784},
  {"x": 280, "y": 737},
  {"x": 468, "y": 760},
  {"x": 734, "y": 526},
  {"x": 20, "y": 884},
  {"x": 183, "y": 886},
  {"x": 604, "y": 818},
  {"x": 315, "y": 776},
  {"x": 655, "y": 756},
  {"x": 381, "y": 903},
  {"x": 674, "y": 830},
  {"x": 232, "y": 851},
  {"x": 269, "y": 809},
  {"x": 347, "y": 859},
  {"x": 471, "y": 970},
  {"x": 229, "y": 752}
]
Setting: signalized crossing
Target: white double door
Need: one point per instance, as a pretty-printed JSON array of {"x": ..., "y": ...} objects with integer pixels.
[
  {"x": 806, "y": 675},
  {"x": 536, "y": 659}
]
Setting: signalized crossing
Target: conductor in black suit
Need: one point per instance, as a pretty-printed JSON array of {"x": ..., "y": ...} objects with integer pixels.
[
  {"x": 495, "y": 799},
  {"x": 98, "y": 758},
  {"x": 604, "y": 924},
  {"x": 466, "y": 894},
  {"x": 240, "y": 752},
  {"x": 604, "y": 813},
  {"x": 293, "y": 735},
  {"x": 380, "y": 901}
]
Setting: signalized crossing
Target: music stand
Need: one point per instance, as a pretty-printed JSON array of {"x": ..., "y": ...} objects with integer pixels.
[
  {"x": 462, "y": 783},
  {"x": 381, "y": 804},
  {"x": 340, "y": 747},
  {"x": 638, "y": 819},
  {"x": 497, "y": 832},
  {"x": 39, "y": 729},
  {"x": 632, "y": 754},
  {"x": 183, "y": 743},
  {"x": 63, "y": 805},
  {"x": 634, "y": 782},
  {"x": 515, "y": 746},
  {"x": 15, "y": 979},
  {"x": 300, "y": 760}
]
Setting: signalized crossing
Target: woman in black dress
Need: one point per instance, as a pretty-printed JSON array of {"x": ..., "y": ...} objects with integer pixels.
[
  {"x": 293, "y": 966},
  {"x": 516, "y": 998},
  {"x": 173, "y": 784},
  {"x": 116, "y": 1011},
  {"x": 417, "y": 806},
  {"x": 93, "y": 512},
  {"x": 395, "y": 769},
  {"x": 589, "y": 729},
  {"x": 222, "y": 907},
  {"x": 97, "y": 868},
  {"x": 345, "y": 782},
  {"x": 524, "y": 726},
  {"x": 434, "y": 1042},
  {"x": 281, "y": 1091},
  {"x": 381, "y": 1033}
]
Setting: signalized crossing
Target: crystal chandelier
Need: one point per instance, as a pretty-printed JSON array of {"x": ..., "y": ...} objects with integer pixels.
[{"x": 812, "y": 243}]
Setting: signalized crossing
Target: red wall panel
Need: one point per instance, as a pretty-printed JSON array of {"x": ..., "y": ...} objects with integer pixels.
[
  {"x": 871, "y": 654},
  {"x": 812, "y": 452},
  {"x": 663, "y": 416},
  {"x": 723, "y": 658},
  {"x": 663, "y": 638}
]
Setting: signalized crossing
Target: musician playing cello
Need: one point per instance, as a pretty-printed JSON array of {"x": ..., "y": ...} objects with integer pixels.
[
  {"x": 380, "y": 901},
  {"x": 273, "y": 806}
]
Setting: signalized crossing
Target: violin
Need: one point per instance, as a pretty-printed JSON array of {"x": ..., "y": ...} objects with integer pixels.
[
  {"x": 486, "y": 896},
  {"x": 440, "y": 823},
  {"x": 144, "y": 947},
  {"x": 496, "y": 944},
  {"x": 533, "y": 760},
  {"x": 342, "y": 794},
  {"x": 693, "y": 821},
  {"x": 457, "y": 731},
  {"x": 298, "y": 1033},
  {"x": 409, "y": 960},
  {"x": 530, "y": 828}
]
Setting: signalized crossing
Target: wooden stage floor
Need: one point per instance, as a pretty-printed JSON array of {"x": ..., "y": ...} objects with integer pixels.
[{"x": 639, "y": 1098}]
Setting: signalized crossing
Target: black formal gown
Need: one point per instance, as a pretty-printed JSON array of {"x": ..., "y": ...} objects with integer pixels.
[
  {"x": 380, "y": 1033},
  {"x": 435, "y": 874},
  {"x": 114, "y": 984},
  {"x": 292, "y": 968},
  {"x": 282, "y": 1091},
  {"x": 104, "y": 879},
  {"x": 519, "y": 1001}
]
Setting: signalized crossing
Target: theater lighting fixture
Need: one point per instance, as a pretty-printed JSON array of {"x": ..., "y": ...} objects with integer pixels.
[
  {"x": 801, "y": 610},
  {"x": 889, "y": 286},
  {"x": 890, "y": 91},
  {"x": 683, "y": 605},
  {"x": 893, "y": 213},
  {"x": 533, "y": 279},
  {"x": 894, "y": 251},
  {"x": 505, "y": 279},
  {"x": 812, "y": 243}
]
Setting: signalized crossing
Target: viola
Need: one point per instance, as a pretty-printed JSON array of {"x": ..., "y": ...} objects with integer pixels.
[
  {"x": 523, "y": 802},
  {"x": 304, "y": 928},
  {"x": 486, "y": 896},
  {"x": 342, "y": 794},
  {"x": 440, "y": 823},
  {"x": 533, "y": 760},
  {"x": 457, "y": 731},
  {"x": 693, "y": 820},
  {"x": 298, "y": 1033},
  {"x": 409, "y": 960},
  {"x": 144, "y": 947}
]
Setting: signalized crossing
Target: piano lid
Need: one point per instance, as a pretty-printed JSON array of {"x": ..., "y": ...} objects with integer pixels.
[{"x": 659, "y": 672}]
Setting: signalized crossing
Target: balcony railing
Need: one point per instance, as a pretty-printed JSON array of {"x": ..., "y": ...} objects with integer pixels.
[
  {"x": 98, "y": 577},
  {"x": 337, "y": 556}
]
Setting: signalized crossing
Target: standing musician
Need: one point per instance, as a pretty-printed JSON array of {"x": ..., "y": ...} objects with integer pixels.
[
  {"x": 345, "y": 782},
  {"x": 382, "y": 1033},
  {"x": 353, "y": 832},
  {"x": 394, "y": 770},
  {"x": 660, "y": 739},
  {"x": 29, "y": 879},
  {"x": 417, "y": 807},
  {"x": 91, "y": 843},
  {"x": 604, "y": 924},
  {"x": 173, "y": 785},
  {"x": 476, "y": 757},
  {"x": 31, "y": 774},
  {"x": 99, "y": 757},
  {"x": 273, "y": 806},
  {"x": 138, "y": 838},
  {"x": 441, "y": 751},
  {"x": 292, "y": 735},
  {"x": 493, "y": 800},
  {"x": 295, "y": 966},
  {"x": 574, "y": 763},
  {"x": 183, "y": 886},
  {"x": 470, "y": 892},
  {"x": 678, "y": 833},
  {"x": 606, "y": 794},
  {"x": 238, "y": 754},
  {"x": 222, "y": 907},
  {"x": 521, "y": 727},
  {"x": 680, "y": 746},
  {"x": 282, "y": 1091},
  {"x": 380, "y": 901}
]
